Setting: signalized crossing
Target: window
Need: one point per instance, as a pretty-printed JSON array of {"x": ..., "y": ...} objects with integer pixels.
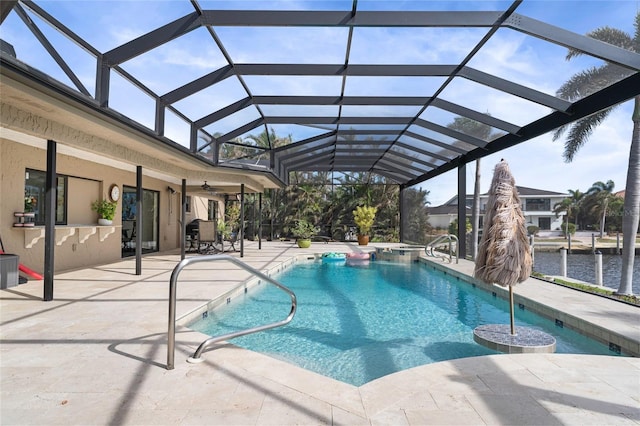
[
  {"x": 538, "y": 204},
  {"x": 188, "y": 208},
  {"x": 34, "y": 196},
  {"x": 544, "y": 223},
  {"x": 150, "y": 228},
  {"x": 212, "y": 211}
]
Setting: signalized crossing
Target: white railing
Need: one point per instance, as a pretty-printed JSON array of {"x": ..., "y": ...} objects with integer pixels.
[
  {"x": 447, "y": 241},
  {"x": 173, "y": 284}
]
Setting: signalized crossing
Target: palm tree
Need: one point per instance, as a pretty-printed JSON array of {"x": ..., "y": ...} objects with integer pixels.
[
  {"x": 571, "y": 206},
  {"x": 602, "y": 194},
  {"x": 585, "y": 83},
  {"x": 416, "y": 217},
  {"x": 576, "y": 198}
]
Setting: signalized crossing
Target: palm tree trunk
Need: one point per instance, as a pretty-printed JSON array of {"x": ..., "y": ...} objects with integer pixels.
[
  {"x": 475, "y": 214},
  {"x": 604, "y": 217},
  {"x": 631, "y": 215}
]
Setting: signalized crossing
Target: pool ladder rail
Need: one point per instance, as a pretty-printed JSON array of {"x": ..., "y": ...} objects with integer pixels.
[
  {"x": 173, "y": 282},
  {"x": 448, "y": 241}
]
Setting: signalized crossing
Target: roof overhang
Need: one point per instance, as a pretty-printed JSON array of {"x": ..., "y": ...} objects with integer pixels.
[{"x": 35, "y": 110}]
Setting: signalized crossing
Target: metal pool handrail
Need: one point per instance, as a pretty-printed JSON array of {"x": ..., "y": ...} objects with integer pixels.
[
  {"x": 171, "y": 338},
  {"x": 443, "y": 239}
]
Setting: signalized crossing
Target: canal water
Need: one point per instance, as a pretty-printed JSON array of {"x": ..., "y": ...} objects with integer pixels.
[{"x": 582, "y": 267}]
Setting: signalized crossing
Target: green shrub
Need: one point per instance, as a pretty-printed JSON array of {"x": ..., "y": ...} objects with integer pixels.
[
  {"x": 453, "y": 226},
  {"x": 570, "y": 227},
  {"x": 303, "y": 230}
]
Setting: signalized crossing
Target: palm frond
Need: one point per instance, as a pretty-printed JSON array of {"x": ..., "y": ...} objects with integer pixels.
[
  {"x": 612, "y": 36},
  {"x": 580, "y": 132},
  {"x": 609, "y": 35},
  {"x": 636, "y": 38},
  {"x": 601, "y": 187},
  {"x": 559, "y": 132},
  {"x": 591, "y": 80}
]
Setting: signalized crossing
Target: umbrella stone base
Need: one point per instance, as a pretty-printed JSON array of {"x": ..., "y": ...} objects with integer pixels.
[{"x": 526, "y": 340}]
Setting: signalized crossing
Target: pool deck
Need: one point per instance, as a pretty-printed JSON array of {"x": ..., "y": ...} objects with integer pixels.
[{"x": 97, "y": 353}]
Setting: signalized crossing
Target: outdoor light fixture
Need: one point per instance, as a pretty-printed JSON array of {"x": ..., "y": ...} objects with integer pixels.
[{"x": 171, "y": 190}]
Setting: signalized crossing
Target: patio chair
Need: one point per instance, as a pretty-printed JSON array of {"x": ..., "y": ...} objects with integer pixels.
[
  {"x": 231, "y": 239},
  {"x": 192, "y": 236},
  {"x": 128, "y": 235},
  {"x": 322, "y": 238},
  {"x": 207, "y": 239}
]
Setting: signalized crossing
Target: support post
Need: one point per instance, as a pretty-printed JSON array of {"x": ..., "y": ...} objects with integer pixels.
[
  {"x": 241, "y": 232},
  {"x": 273, "y": 194},
  {"x": 50, "y": 220},
  {"x": 260, "y": 221},
  {"x": 254, "y": 231},
  {"x": 160, "y": 116},
  {"x": 183, "y": 219},
  {"x": 402, "y": 210},
  {"x": 138, "y": 225},
  {"x": 462, "y": 210},
  {"x": 103, "y": 77}
]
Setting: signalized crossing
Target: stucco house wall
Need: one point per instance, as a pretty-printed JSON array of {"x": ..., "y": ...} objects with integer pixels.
[{"x": 87, "y": 181}]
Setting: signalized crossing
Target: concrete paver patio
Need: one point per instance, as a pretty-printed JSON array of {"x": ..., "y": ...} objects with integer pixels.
[{"x": 97, "y": 355}]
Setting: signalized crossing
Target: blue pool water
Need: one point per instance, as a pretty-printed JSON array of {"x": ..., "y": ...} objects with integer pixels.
[{"x": 356, "y": 324}]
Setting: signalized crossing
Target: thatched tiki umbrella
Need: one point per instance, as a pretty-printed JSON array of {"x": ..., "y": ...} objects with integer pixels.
[{"x": 504, "y": 255}]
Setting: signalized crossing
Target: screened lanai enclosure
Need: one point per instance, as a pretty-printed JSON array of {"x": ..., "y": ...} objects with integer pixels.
[{"x": 349, "y": 89}]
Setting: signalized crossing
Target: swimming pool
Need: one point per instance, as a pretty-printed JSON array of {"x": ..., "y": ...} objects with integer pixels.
[{"x": 359, "y": 323}]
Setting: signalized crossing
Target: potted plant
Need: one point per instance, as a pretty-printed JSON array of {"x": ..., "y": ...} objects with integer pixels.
[
  {"x": 364, "y": 217},
  {"x": 224, "y": 230},
  {"x": 303, "y": 231},
  {"x": 106, "y": 211},
  {"x": 30, "y": 203}
]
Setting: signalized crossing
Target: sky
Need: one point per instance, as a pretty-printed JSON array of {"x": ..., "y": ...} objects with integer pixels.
[{"x": 537, "y": 163}]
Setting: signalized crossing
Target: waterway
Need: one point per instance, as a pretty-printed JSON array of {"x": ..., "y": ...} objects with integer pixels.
[{"x": 582, "y": 267}]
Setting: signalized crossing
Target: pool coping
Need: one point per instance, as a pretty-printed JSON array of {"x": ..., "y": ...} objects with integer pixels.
[{"x": 623, "y": 342}]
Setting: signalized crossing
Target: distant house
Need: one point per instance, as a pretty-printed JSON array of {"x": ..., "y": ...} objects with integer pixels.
[{"x": 537, "y": 206}]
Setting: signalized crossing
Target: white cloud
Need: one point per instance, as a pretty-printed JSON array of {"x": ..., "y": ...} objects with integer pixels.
[
  {"x": 285, "y": 45},
  {"x": 538, "y": 163},
  {"x": 412, "y": 45}
]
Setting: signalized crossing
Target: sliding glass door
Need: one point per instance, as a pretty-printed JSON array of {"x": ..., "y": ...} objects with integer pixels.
[{"x": 150, "y": 221}]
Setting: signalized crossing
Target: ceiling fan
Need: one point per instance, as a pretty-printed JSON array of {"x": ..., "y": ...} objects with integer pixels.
[{"x": 210, "y": 189}]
